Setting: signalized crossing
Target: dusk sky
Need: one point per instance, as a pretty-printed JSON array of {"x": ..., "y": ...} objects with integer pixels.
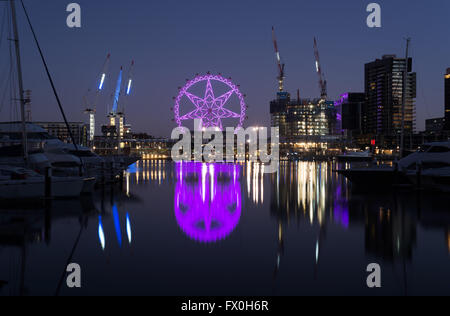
[{"x": 171, "y": 41}]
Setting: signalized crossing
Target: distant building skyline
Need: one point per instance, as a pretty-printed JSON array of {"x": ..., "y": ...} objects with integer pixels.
[{"x": 173, "y": 40}]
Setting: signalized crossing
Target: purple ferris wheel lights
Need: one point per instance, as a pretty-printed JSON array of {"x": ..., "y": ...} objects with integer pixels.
[
  {"x": 207, "y": 200},
  {"x": 210, "y": 109}
]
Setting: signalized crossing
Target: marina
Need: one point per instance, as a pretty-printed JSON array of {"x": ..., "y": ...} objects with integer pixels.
[
  {"x": 290, "y": 235},
  {"x": 119, "y": 176}
]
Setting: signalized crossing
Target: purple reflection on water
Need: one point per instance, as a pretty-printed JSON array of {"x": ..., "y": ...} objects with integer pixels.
[
  {"x": 207, "y": 200},
  {"x": 340, "y": 210}
]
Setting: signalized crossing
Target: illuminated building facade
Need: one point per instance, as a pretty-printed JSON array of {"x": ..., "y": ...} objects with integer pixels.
[
  {"x": 382, "y": 112},
  {"x": 303, "y": 118},
  {"x": 80, "y": 131},
  {"x": 447, "y": 100}
]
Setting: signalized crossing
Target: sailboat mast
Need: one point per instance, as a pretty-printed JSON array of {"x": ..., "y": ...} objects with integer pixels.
[
  {"x": 20, "y": 79},
  {"x": 405, "y": 82}
]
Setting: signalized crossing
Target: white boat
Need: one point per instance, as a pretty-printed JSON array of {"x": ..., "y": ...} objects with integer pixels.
[
  {"x": 32, "y": 141},
  {"x": 429, "y": 159},
  {"x": 46, "y": 151},
  {"x": 18, "y": 183},
  {"x": 429, "y": 156},
  {"x": 355, "y": 156},
  {"x": 67, "y": 187}
]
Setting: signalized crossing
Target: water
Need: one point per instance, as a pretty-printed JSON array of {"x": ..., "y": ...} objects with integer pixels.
[{"x": 196, "y": 229}]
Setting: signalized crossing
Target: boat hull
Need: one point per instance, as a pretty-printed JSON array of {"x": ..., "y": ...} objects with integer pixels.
[
  {"x": 353, "y": 159},
  {"x": 88, "y": 185},
  {"x": 378, "y": 179},
  {"x": 67, "y": 187}
]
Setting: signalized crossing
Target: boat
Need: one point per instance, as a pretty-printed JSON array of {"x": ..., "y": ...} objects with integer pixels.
[
  {"x": 23, "y": 148},
  {"x": 355, "y": 156},
  {"x": 46, "y": 150},
  {"x": 427, "y": 161},
  {"x": 19, "y": 183},
  {"x": 67, "y": 187},
  {"x": 436, "y": 179}
]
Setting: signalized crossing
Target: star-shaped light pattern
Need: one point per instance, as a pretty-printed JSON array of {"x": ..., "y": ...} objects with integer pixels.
[{"x": 210, "y": 109}]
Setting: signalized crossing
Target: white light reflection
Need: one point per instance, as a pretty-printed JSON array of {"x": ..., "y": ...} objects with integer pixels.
[
  {"x": 128, "y": 229},
  {"x": 101, "y": 233}
]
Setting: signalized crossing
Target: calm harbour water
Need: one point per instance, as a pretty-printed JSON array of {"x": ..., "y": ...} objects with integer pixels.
[{"x": 197, "y": 229}]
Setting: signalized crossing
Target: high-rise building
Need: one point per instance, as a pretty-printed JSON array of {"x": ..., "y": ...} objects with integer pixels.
[
  {"x": 447, "y": 100},
  {"x": 301, "y": 118},
  {"x": 382, "y": 111},
  {"x": 350, "y": 107}
]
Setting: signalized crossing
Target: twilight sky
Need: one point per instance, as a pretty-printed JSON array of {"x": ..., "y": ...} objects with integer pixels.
[{"x": 172, "y": 40}]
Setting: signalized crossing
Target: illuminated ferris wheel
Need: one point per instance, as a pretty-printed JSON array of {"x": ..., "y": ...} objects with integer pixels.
[{"x": 210, "y": 109}]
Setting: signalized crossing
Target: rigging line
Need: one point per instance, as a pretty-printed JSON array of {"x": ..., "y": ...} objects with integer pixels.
[
  {"x": 3, "y": 26},
  {"x": 50, "y": 78},
  {"x": 8, "y": 77},
  {"x": 5, "y": 82},
  {"x": 13, "y": 114}
]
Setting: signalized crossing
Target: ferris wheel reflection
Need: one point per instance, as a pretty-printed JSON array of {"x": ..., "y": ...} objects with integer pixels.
[{"x": 207, "y": 200}]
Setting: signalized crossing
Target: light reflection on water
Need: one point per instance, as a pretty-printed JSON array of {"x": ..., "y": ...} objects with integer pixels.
[
  {"x": 207, "y": 200},
  {"x": 293, "y": 227}
]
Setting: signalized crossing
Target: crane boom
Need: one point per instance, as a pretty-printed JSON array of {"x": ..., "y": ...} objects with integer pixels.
[
  {"x": 101, "y": 83},
  {"x": 91, "y": 102},
  {"x": 117, "y": 93},
  {"x": 103, "y": 73},
  {"x": 322, "y": 81},
  {"x": 279, "y": 63},
  {"x": 127, "y": 87},
  {"x": 130, "y": 78}
]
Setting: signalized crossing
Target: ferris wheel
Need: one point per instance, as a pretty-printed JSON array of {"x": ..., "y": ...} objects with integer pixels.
[{"x": 210, "y": 109}]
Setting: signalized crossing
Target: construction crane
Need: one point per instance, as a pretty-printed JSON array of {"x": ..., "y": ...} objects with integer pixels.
[
  {"x": 130, "y": 78},
  {"x": 112, "y": 115},
  {"x": 127, "y": 92},
  {"x": 322, "y": 81},
  {"x": 91, "y": 105},
  {"x": 280, "y": 64}
]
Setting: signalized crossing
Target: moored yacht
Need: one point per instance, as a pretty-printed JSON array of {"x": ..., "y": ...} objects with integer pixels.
[
  {"x": 353, "y": 156},
  {"x": 437, "y": 179},
  {"x": 428, "y": 160}
]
